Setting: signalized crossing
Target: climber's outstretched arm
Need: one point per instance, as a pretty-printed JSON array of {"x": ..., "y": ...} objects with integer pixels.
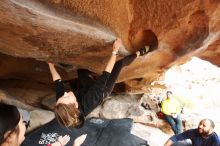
[
  {"x": 55, "y": 75},
  {"x": 112, "y": 59}
]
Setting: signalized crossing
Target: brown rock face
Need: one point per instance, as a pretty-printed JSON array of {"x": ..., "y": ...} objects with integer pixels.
[{"x": 80, "y": 33}]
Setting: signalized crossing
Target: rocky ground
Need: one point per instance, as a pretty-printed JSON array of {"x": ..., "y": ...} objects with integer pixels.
[{"x": 116, "y": 106}]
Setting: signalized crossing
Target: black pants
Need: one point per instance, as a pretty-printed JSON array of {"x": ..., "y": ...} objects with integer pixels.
[{"x": 87, "y": 81}]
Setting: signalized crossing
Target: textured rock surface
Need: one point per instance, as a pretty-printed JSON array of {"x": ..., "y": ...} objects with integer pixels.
[{"x": 80, "y": 33}]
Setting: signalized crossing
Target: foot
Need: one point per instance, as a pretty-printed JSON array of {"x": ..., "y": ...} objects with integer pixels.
[{"x": 143, "y": 51}]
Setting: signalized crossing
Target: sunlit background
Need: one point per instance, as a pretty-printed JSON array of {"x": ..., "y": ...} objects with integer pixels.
[{"x": 196, "y": 84}]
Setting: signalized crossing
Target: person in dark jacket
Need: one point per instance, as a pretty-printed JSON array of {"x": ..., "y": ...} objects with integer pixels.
[{"x": 204, "y": 135}]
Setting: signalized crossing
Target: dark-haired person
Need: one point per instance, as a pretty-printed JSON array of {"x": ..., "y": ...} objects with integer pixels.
[
  {"x": 172, "y": 109},
  {"x": 12, "y": 128},
  {"x": 71, "y": 108},
  {"x": 204, "y": 135}
]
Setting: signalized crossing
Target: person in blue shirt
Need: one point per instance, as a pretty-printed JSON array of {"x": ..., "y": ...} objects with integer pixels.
[{"x": 204, "y": 135}]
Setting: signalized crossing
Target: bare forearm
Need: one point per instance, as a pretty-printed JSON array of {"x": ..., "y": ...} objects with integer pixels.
[
  {"x": 55, "y": 75},
  {"x": 112, "y": 59},
  {"x": 110, "y": 63}
]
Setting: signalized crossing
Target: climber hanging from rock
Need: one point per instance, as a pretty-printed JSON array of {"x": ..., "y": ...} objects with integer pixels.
[{"x": 71, "y": 108}]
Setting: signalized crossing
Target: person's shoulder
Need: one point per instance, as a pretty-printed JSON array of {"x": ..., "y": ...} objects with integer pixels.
[
  {"x": 192, "y": 131},
  {"x": 216, "y": 137}
]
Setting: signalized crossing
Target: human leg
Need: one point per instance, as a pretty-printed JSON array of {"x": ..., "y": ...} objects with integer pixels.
[
  {"x": 117, "y": 69},
  {"x": 172, "y": 123},
  {"x": 121, "y": 63},
  {"x": 104, "y": 84},
  {"x": 179, "y": 128}
]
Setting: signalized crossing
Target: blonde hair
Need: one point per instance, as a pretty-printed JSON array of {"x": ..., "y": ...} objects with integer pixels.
[{"x": 67, "y": 114}]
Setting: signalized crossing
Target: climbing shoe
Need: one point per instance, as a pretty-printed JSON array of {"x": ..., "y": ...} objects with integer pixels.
[{"x": 144, "y": 50}]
